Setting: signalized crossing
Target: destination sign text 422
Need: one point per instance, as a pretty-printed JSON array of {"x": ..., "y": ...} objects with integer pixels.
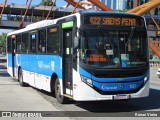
[{"x": 94, "y": 20}]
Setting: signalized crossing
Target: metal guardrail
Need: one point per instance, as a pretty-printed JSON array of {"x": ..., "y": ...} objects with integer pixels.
[{"x": 19, "y": 18}]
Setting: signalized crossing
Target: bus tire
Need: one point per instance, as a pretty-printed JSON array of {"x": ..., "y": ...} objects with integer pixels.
[
  {"x": 20, "y": 78},
  {"x": 60, "y": 98}
]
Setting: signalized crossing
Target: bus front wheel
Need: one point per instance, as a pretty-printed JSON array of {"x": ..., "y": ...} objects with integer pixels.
[
  {"x": 60, "y": 98},
  {"x": 20, "y": 78}
]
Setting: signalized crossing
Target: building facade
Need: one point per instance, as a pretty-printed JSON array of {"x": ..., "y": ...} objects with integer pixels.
[
  {"x": 121, "y": 5},
  {"x": 115, "y": 4}
]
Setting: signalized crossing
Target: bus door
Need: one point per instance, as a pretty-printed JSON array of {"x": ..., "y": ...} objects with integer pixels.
[
  {"x": 13, "y": 54},
  {"x": 67, "y": 61}
]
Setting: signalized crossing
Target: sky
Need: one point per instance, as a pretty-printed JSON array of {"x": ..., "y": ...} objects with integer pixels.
[
  {"x": 34, "y": 2},
  {"x": 59, "y": 3}
]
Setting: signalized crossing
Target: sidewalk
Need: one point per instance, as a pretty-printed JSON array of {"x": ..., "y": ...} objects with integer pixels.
[{"x": 13, "y": 97}]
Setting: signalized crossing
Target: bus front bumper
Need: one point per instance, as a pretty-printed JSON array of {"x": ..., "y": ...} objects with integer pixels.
[{"x": 83, "y": 92}]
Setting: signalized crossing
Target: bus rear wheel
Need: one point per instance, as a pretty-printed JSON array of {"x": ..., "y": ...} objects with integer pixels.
[
  {"x": 20, "y": 78},
  {"x": 60, "y": 98}
]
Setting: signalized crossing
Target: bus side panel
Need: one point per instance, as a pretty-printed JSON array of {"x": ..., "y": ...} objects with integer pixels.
[
  {"x": 9, "y": 64},
  {"x": 32, "y": 67},
  {"x": 26, "y": 76},
  {"x": 17, "y": 64},
  {"x": 42, "y": 80},
  {"x": 38, "y": 69},
  {"x": 28, "y": 65},
  {"x": 46, "y": 66},
  {"x": 14, "y": 65},
  {"x": 56, "y": 65}
]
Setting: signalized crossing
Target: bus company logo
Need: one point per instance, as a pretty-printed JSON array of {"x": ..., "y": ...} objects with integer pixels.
[
  {"x": 103, "y": 87},
  {"x": 40, "y": 64},
  {"x": 109, "y": 87},
  {"x": 133, "y": 86},
  {"x": 120, "y": 86}
]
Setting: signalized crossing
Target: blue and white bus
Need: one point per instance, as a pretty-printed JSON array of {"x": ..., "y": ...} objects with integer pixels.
[{"x": 87, "y": 56}]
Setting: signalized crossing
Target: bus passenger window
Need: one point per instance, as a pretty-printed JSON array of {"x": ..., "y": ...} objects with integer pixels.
[
  {"x": 9, "y": 44},
  {"x": 18, "y": 44},
  {"x": 53, "y": 42},
  {"x": 33, "y": 43},
  {"x": 25, "y": 43},
  {"x": 42, "y": 41}
]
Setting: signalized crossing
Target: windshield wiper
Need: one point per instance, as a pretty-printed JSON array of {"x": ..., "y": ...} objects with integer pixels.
[
  {"x": 105, "y": 36},
  {"x": 100, "y": 28}
]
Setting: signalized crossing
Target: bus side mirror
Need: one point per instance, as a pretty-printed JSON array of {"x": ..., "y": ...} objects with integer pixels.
[{"x": 76, "y": 42}]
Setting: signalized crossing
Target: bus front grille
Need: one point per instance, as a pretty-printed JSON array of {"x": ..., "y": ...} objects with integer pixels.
[{"x": 118, "y": 75}]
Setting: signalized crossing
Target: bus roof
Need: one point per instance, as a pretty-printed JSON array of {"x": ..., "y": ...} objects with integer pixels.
[
  {"x": 108, "y": 12},
  {"x": 46, "y": 23},
  {"x": 36, "y": 25}
]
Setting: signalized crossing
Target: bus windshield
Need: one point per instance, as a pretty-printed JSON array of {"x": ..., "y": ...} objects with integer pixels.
[{"x": 104, "y": 48}]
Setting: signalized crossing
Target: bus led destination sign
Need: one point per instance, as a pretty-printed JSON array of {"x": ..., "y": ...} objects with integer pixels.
[{"x": 103, "y": 20}]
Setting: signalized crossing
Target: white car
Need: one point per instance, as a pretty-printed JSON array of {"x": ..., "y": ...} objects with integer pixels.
[{"x": 158, "y": 73}]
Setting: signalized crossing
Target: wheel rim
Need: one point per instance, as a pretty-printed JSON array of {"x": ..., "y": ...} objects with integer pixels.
[
  {"x": 58, "y": 91},
  {"x": 20, "y": 77}
]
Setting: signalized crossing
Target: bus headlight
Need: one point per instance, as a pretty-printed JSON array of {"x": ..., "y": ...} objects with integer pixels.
[
  {"x": 86, "y": 80},
  {"x": 146, "y": 79}
]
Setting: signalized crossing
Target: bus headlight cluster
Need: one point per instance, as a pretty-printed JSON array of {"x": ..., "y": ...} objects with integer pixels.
[
  {"x": 87, "y": 81},
  {"x": 146, "y": 79}
]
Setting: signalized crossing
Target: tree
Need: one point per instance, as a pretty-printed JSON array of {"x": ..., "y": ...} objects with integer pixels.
[
  {"x": 3, "y": 42},
  {"x": 42, "y": 2},
  {"x": 46, "y": 3}
]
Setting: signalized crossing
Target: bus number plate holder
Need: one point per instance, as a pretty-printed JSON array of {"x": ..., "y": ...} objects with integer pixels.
[{"x": 121, "y": 97}]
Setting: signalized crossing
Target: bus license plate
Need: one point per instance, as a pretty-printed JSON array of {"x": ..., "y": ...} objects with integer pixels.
[{"x": 121, "y": 97}]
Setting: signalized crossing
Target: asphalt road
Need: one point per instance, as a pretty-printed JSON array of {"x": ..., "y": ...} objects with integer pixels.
[
  {"x": 119, "y": 109},
  {"x": 43, "y": 101},
  {"x": 13, "y": 97}
]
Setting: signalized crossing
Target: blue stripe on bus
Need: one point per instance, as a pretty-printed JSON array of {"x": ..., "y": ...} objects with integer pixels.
[
  {"x": 84, "y": 73},
  {"x": 40, "y": 64},
  {"x": 114, "y": 86},
  {"x": 118, "y": 86},
  {"x": 111, "y": 80},
  {"x": 9, "y": 59}
]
